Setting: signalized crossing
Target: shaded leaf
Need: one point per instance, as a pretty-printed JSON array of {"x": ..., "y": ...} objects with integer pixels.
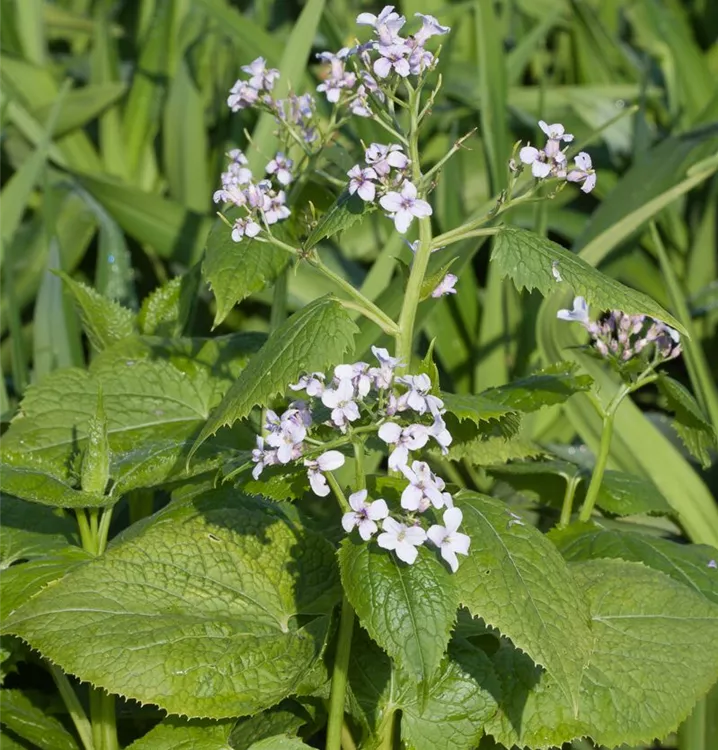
[{"x": 345, "y": 211}]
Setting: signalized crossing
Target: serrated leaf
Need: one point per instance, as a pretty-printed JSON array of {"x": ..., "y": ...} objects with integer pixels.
[
  {"x": 210, "y": 628},
  {"x": 29, "y": 721},
  {"x": 278, "y": 483},
  {"x": 310, "y": 340},
  {"x": 29, "y": 531},
  {"x": 461, "y": 698},
  {"x": 103, "y": 320},
  {"x": 235, "y": 270},
  {"x": 690, "y": 423},
  {"x": 346, "y": 210},
  {"x": 166, "y": 310},
  {"x": 485, "y": 451},
  {"x": 174, "y": 733},
  {"x": 476, "y": 408},
  {"x": 514, "y": 580},
  {"x": 685, "y": 563},
  {"x": 547, "y": 387},
  {"x": 408, "y": 610},
  {"x": 279, "y": 742},
  {"x": 644, "y": 675},
  {"x": 529, "y": 260},
  {"x": 287, "y": 718}
]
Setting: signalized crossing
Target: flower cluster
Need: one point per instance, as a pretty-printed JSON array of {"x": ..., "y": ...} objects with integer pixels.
[
  {"x": 551, "y": 160},
  {"x": 405, "y": 415},
  {"x": 384, "y": 174},
  {"x": 248, "y": 93},
  {"x": 387, "y": 55},
  {"x": 622, "y": 336},
  {"x": 264, "y": 202}
]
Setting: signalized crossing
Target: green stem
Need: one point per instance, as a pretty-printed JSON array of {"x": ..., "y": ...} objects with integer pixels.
[
  {"x": 340, "y": 676},
  {"x": 86, "y": 537},
  {"x": 74, "y": 707},
  {"x": 449, "y": 238},
  {"x": 407, "y": 318},
  {"x": 108, "y": 721},
  {"x": 567, "y": 507},
  {"x": 103, "y": 530},
  {"x": 95, "y": 715},
  {"x": 386, "y": 731},
  {"x": 347, "y": 739},
  {"x": 337, "y": 490},
  {"x": 599, "y": 468},
  {"x": 360, "y": 478}
]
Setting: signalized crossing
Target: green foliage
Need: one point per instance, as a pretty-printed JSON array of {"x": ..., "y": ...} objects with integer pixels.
[
  {"x": 344, "y": 212},
  {"x": 27, "y": 718},
  {"x": 179, "y": 734},
  {"x": 211, "y": 624}
]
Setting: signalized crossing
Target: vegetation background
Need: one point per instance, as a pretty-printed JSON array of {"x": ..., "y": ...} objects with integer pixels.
[{"x": 115, "y": 127}]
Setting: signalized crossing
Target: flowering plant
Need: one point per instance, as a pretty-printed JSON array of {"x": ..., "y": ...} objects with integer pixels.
[{"x": 346, "y": 553}]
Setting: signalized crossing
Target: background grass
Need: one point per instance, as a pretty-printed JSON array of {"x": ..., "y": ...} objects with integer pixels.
[{"x": 114, "y": 129}]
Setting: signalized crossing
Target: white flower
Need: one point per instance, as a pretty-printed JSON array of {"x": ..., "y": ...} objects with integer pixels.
[
  {"x": 386, "y": 25},
  {"x": 245, "y": 227},
  {"x": 412, "y": 438},
  {"x": 341, "y": 401},
  {"x": 275, "y": 208},
  {"x": 328, "y": 461},
  {"x": 424, "y": 488},
  {"x": 392, "y": 57},
  {"x": 288, "y": 438},
  {"x": 534, "y": 157},
  {"x": 261, "y": 78},
  {"x": 439, "y": 432},
  {"x": 382, "y": 158},
  {"x": 555, "y": 131},
  {"x": 383, "y": 375},
  {"x": 402, "y": 539},
  {"x": 364, "y": 515},
  {"x": 303, "y": 411},
  {"x": 281, "y": 166},
  {"x": 429, "y": 27},
  {"x": 358, "y": 374},
  {"x": 262, "y": 457},
  {"x": 579, "y": 314},
  {"x": 583, "y": 172},
  {"x": 448, "y": 539},
  {"x": 241, "y": 96},
  {"x": 313, "y": 384},
  {"x": 418, "y": 397},
  {"x": 404, "y": 206},
  {"x": 445, "y": 286},
  {"x": 361, "y": 182}
]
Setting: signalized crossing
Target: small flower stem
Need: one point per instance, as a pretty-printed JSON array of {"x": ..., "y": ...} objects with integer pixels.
[
  {"x": 407, "y": 318},
  {"x": 103, "y": 529},
  {"x": 360, "y": 478},
  {"x": 567, "y": 507},
  {"x": 347, "y": 739},
  {"x": 598, "y": 469},
  {"x": 74, "y": 707},
  {"x": 456, "y": 147},
  {"x": 449, "y": 238},
  {"x": 83, "y": 526},
  {"x": 337, "y": 490},
  {"x": 340, "y": 675},
  {"x": 386, "y": 731}
]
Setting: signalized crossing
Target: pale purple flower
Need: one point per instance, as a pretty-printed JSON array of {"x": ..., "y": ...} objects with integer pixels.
[
  {"x": 357, "y": 374},
  {"x": 387, "y": 24},
  {"x": 583, "y": 172},
  {"x": 392, "y": 57},
  {"x": 712, "y": 564},
  {"x": 440, "y": 433},
  {"x": 360, "y": 104},
  {"x": 246, "y": 227},
  {"x": 275, "y": 208},
  {"x": 579, "y": 314},
  {"x": 241, "y": 96},
  {"x": 281, "y": 166},
  {"x": 418, "y": 396},
  {"x": 420, "y": 59},
  {"x": 341, "y": 401},
  {"x": 555, "y": 131},
  {"x": 261, "y": 77},
  {"x": 429, "y": 27},
  {"x": 262, "y": 457},
  {"x": 257, "y": 194},
  {"x": 360, "y": 182},
  {"x": 328, "y": 461},
  {"x": 312, "y": 383},
  {"x": 339, "y": 78},
  {"x": 445, "y": 286},
  {"x": 448, "y": 539},
  {"x": 424, "y": 488},
  {"x": 382, "y": 158},
  {"x": 404, "y": 206},
  {"x": 288, "y": 438},
  {"x": 401, "y": 539},
  {"x": 410, "y": 438},
  {"x": 534, "y": 157},
  {"x": 383, "y": 375},
  {"x": 364, "y": 515},
  {"x": 303, "y": 411}
]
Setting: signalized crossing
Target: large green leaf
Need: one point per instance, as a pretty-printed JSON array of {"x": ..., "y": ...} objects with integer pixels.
[
  {"x": 29, "y": 720},
  {"x": 408, "y": 610},
  {"x": 530, "y": 261},
  {"x": 235, "y": 270},
  {"x": 686, "y": 563},
  {"x": 167, "y": 309},
  {"x": 643, "y": 677},
  {"x": 104, "y": 320},
  {"x": 311, "y": 339},
  {"x": 515, "y": 580},
  {"x": 216, "y": 626},
  {"x": 179, "y": 734}
]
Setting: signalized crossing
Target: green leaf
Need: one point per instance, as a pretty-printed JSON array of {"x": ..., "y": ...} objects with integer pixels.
[
  {"x": 529, "y": 260},
  {"x": 547, "y": 387},
  {"x": 104, "y": 320},
  {"x": 485, "y": 451},
  {"x": 95, "y": 469},
  {"x": 236, "y": 270},
  {"x": 310, "y": 340},
  {"x": 685, "y": 563},
  {"x": 345, "y": 211},
  {"x": 217, "y": 626},
  {"x": 22, "y": 716},
  {"x": 625, "y": 494},
  {"x": 408, "y": 610},
  {"x": 166, "y": 310},
  {"x": 475, "y": 408},
  {"x": 287, "y": 718},
  {"x": 29, "y": 531},
  {"x": 515, "y": 580},
  {"x": 652, "y": 672},
  {"x": 279, "y": 742},
  {"x": 174, "y": 733},
  {"x": 690, "y": 423},
  {"x": 461, "y": 698}
]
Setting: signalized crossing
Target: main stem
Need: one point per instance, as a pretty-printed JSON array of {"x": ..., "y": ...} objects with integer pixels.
[
  {"x": 339, "y": 677},
  {"x": 407, "y": 318},
  {"x": 599, "y": 468}
]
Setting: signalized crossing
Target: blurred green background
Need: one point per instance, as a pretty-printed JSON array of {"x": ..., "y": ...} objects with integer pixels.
[{"x": 115, "y": 126}]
